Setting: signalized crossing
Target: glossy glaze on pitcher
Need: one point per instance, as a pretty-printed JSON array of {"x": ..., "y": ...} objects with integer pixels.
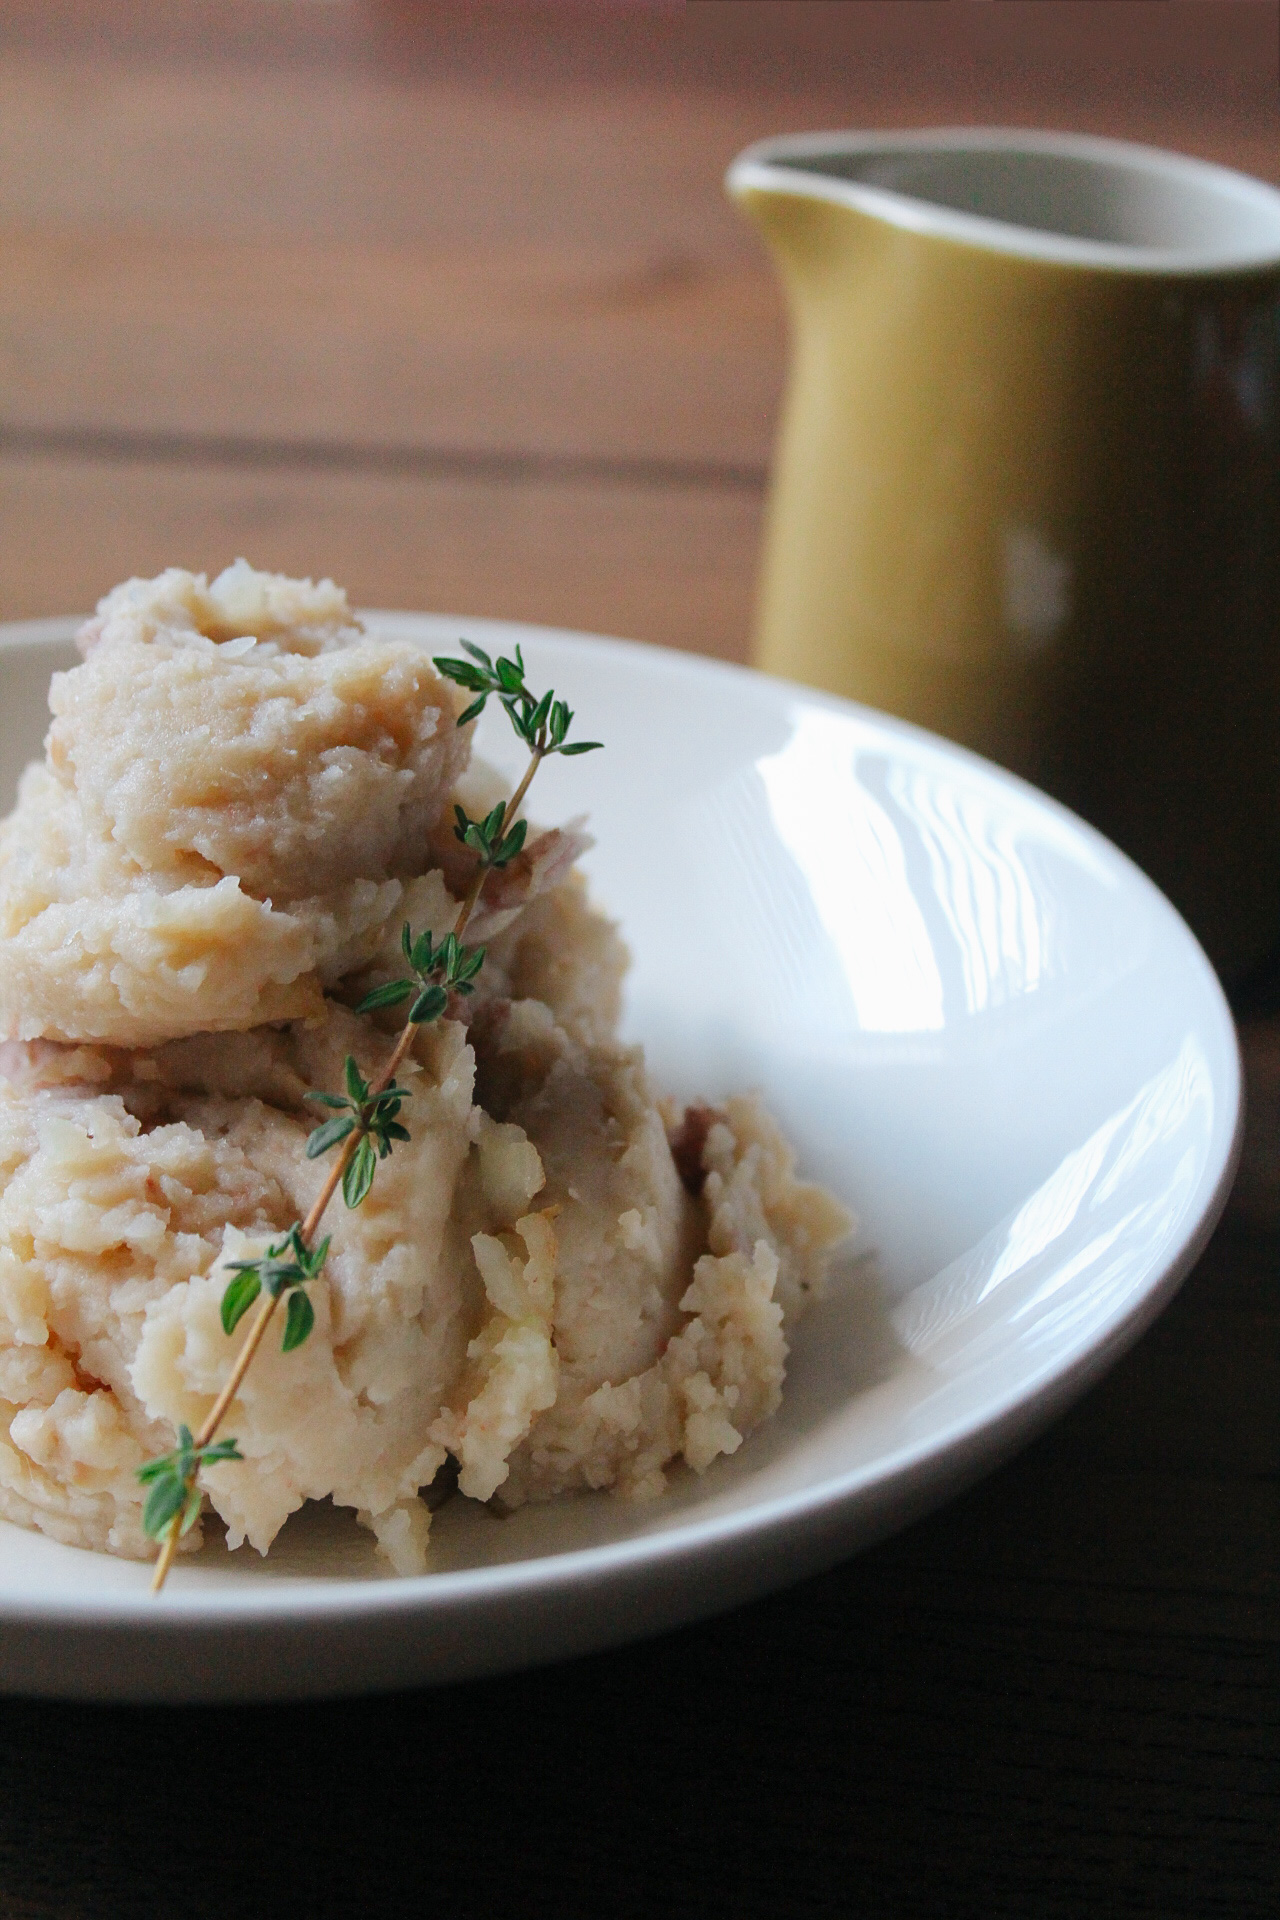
[{"x": 1027, "y": 483}]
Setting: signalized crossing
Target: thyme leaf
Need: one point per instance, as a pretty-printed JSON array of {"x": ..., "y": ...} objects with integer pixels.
[
  {"x": 429, "y": 1005},
  {"x": 174, "y": 1494},
  {"x": 238, "y": 1297},
  {"x": 289, "y": 1264},
  {"x": 389, "y": 995},
  {"x": 329, "y": 1135},
  {"x": 357, "y": 1175},
  {"x": 300, "y": 1317}
]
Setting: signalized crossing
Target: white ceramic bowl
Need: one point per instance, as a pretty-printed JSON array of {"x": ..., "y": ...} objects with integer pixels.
[{"x": 983, "y": 1027}]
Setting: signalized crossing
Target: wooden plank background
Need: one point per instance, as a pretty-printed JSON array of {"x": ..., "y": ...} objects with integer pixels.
[{"x": 447, "y": 301}]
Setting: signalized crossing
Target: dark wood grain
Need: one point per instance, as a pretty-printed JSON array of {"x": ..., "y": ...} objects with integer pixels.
[{"x": 446, "y": 301}]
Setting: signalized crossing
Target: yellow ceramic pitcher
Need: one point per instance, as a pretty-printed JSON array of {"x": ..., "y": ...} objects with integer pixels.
[{"x": 1027, "y": 488}]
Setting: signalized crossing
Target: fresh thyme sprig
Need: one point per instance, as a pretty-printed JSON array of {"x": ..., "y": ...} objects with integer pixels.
[
  {"x": 369, "y": 1115},
  {"x": 365, "y": 1122},
  {"x": 174, "y": 1497},
  {"x": 437, "y": 972},
  {"x": 492, "y": 847},
  {"x": 284, "y": 1268},
  {"x": 542, "y": 724}
]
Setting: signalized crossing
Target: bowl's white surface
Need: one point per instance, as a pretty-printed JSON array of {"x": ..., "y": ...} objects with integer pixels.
[{"x": 983, "y": 1027}]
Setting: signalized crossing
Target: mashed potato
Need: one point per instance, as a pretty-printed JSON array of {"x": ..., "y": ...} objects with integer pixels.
[
  {"x": 556, "y": 1284},
  {"x": 222, "y": 826}
]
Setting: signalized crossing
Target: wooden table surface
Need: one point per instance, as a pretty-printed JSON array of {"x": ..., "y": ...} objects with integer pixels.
[{"x": 446, "y": 301}]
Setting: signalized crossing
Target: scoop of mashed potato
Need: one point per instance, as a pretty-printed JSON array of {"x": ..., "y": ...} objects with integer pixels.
[
  {"x": 228, "y": 811},
  {"x": 556, "y": 1283}
]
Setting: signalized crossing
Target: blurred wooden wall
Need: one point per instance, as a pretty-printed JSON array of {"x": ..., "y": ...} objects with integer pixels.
[{"x": 446, "y": 300}]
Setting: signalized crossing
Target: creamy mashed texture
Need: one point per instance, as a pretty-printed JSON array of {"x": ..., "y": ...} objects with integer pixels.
[{"x": 559, "y": 1282}]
